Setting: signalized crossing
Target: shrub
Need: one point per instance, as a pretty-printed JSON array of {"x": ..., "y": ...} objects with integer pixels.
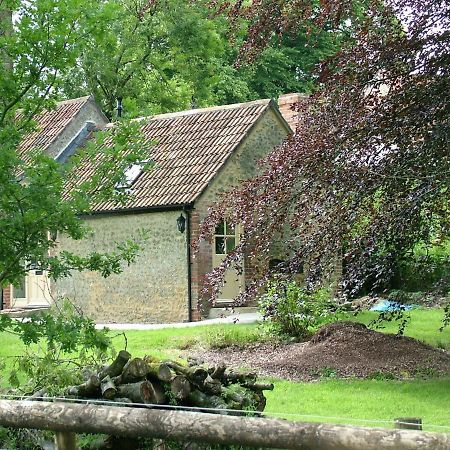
[
  {"x": 291, "y": 310},
  {"x": 428, "y": 269}
]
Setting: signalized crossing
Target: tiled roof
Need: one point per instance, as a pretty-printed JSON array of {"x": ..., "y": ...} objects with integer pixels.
[
  {"x": 50, "y": 124},
  {"x": 189, "y": 149}
]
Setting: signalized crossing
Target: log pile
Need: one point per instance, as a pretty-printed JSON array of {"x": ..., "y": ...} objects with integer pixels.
[{"x": 149, "y": 381}]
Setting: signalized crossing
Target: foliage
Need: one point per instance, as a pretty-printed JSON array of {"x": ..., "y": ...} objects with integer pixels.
[
  {"x": 427, "y": 270},
  {"x": 58, "y": 344},
  {"x": 24, "y": 438},
  {"x": 36, "y": 194},
  {"x": 166, "y": 56},
  {"x": 366, "y": 174},
  {"x": 42, "y": 199},
  {"x": 157, "y": 56},
  {"x": 293, "y": 311}
]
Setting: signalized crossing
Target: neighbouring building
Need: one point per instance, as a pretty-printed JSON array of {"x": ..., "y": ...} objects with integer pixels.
[
  {"x": 58, "y": 132},
  {"x": 197, "y": 155}
]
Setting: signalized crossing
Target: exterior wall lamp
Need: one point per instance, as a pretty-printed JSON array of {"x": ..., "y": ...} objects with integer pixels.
[{"x": 181, "y": 223}]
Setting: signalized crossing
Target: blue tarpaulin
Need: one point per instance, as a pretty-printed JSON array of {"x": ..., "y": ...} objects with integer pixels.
[{"x": 390, "y": 305}]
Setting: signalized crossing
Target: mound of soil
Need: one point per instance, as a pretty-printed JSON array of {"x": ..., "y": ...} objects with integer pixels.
[{"x": 344, "y": 349}]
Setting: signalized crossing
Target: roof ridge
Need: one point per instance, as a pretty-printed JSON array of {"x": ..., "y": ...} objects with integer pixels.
[
  {"x": 74, "y": 100},
  {"x": 189, "y": 112}
]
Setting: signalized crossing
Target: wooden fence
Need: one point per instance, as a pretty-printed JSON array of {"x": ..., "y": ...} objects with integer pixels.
[{"x": 68, "y": 418}]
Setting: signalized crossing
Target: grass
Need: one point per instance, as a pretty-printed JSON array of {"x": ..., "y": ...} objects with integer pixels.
[
  {"x": 357, "y": 402},
  {"x": 363, "y": 402},
  {"x": 168, "y": 342}
]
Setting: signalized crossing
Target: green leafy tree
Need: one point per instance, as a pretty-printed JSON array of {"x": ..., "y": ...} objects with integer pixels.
[
  {"x": 35, "y": 199},
  {"x": 167, "y": 56},
  {"x": 157, "y": 56}
]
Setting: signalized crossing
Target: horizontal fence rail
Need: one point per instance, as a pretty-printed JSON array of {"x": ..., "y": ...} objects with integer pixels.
[{"x": 210, "y": 428}]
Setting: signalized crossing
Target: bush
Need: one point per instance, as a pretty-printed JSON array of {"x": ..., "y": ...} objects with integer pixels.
[
  {"x": 291, "y": 310},
  {"x": 427, "y": 270}
]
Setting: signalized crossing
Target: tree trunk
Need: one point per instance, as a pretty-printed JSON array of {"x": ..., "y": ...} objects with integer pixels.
[
  {"x": 194, "y": 374},
  {"x": 6, "y": 29},
  {"x": 241, "y": 378},
  {"x": 180, "y": 387},
  {"x": 160, "y": 371},
  {"x": 135, "y": 369},
  {"x": 109, "y": 390},
  {"x": 140, "y": 392},
  {"x": 198, "y": 398}
]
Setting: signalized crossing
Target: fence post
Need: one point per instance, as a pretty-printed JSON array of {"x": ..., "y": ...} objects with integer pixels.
[
  {"x": 408, "y": 423},
  {"x": 65, "y": 440}
]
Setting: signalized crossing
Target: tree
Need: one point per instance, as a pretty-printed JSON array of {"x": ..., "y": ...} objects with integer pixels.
[
  {"x": 35, "y": 202},
  {"x": 367, "y": 174},
  {"x": 157, "y": 56},
  {"x": 166, "y": 56}
]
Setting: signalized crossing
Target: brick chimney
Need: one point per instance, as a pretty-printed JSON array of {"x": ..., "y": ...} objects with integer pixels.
[{"x": 286, "y": 103}]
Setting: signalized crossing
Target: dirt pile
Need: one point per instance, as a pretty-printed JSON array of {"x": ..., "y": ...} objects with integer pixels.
[{"x": 342, "y": 349}]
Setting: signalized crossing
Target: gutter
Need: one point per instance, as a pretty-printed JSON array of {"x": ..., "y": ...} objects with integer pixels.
[{"x": 141, "y": 210}]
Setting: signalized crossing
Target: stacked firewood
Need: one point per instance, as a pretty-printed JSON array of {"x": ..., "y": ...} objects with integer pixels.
[{"x": 151, "y": 381}]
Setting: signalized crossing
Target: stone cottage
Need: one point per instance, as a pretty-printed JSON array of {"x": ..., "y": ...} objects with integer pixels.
[{"x": 197, "y": 154}]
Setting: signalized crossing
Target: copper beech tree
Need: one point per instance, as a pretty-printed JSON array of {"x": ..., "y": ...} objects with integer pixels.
[{"x": 367, "y": 174}]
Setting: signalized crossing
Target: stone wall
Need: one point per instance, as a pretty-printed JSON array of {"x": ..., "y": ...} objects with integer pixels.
[{"x": 152, "y": 290}]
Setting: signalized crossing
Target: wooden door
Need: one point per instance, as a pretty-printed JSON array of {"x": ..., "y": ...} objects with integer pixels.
[{"x": 226, "y": 238}]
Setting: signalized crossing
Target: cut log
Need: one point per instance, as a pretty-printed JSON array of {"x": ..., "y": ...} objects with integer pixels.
[
  {"x": 135, "y": 369},
  {"x": 180, "y": 387},
  {"x": 259, "y": 386},
  {"x": 195, "y": 374},
  {"x": 38, "y": 395},
  {"x": 243, "y": 398},
  {"x": 117, "y": 365},
  {"x": 241, "y": 378},
  {"x": 91, "y": 388},
  {"x": 193, "y": 361},
  {"x": 209, "y": 428},
  {"x": 198, "y": 398},
  {"x": 158, "y": 394},
  {"x": 159, "y": 371},
  {"x": 109, "y": 390},
  {"x": 218, "y": 371},
  {"x": 140, "y": 392},
  {"x": 211, "y": 386}
]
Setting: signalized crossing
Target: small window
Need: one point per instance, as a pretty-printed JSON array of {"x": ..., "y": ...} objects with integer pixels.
[
  {"x": 130, "y": 175},
  {"x": 224, "y": 238},
  {"x": 19, "y": 289}
]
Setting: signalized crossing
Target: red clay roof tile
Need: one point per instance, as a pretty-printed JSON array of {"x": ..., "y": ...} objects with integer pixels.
[
  {"x": 190, "y": 148},
  {"x": 49, "y": 125}
]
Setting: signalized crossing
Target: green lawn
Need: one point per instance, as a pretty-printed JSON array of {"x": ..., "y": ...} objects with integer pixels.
[
  {"x": 358, "y": 402},
  {"x": 363, "y": 402}
]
